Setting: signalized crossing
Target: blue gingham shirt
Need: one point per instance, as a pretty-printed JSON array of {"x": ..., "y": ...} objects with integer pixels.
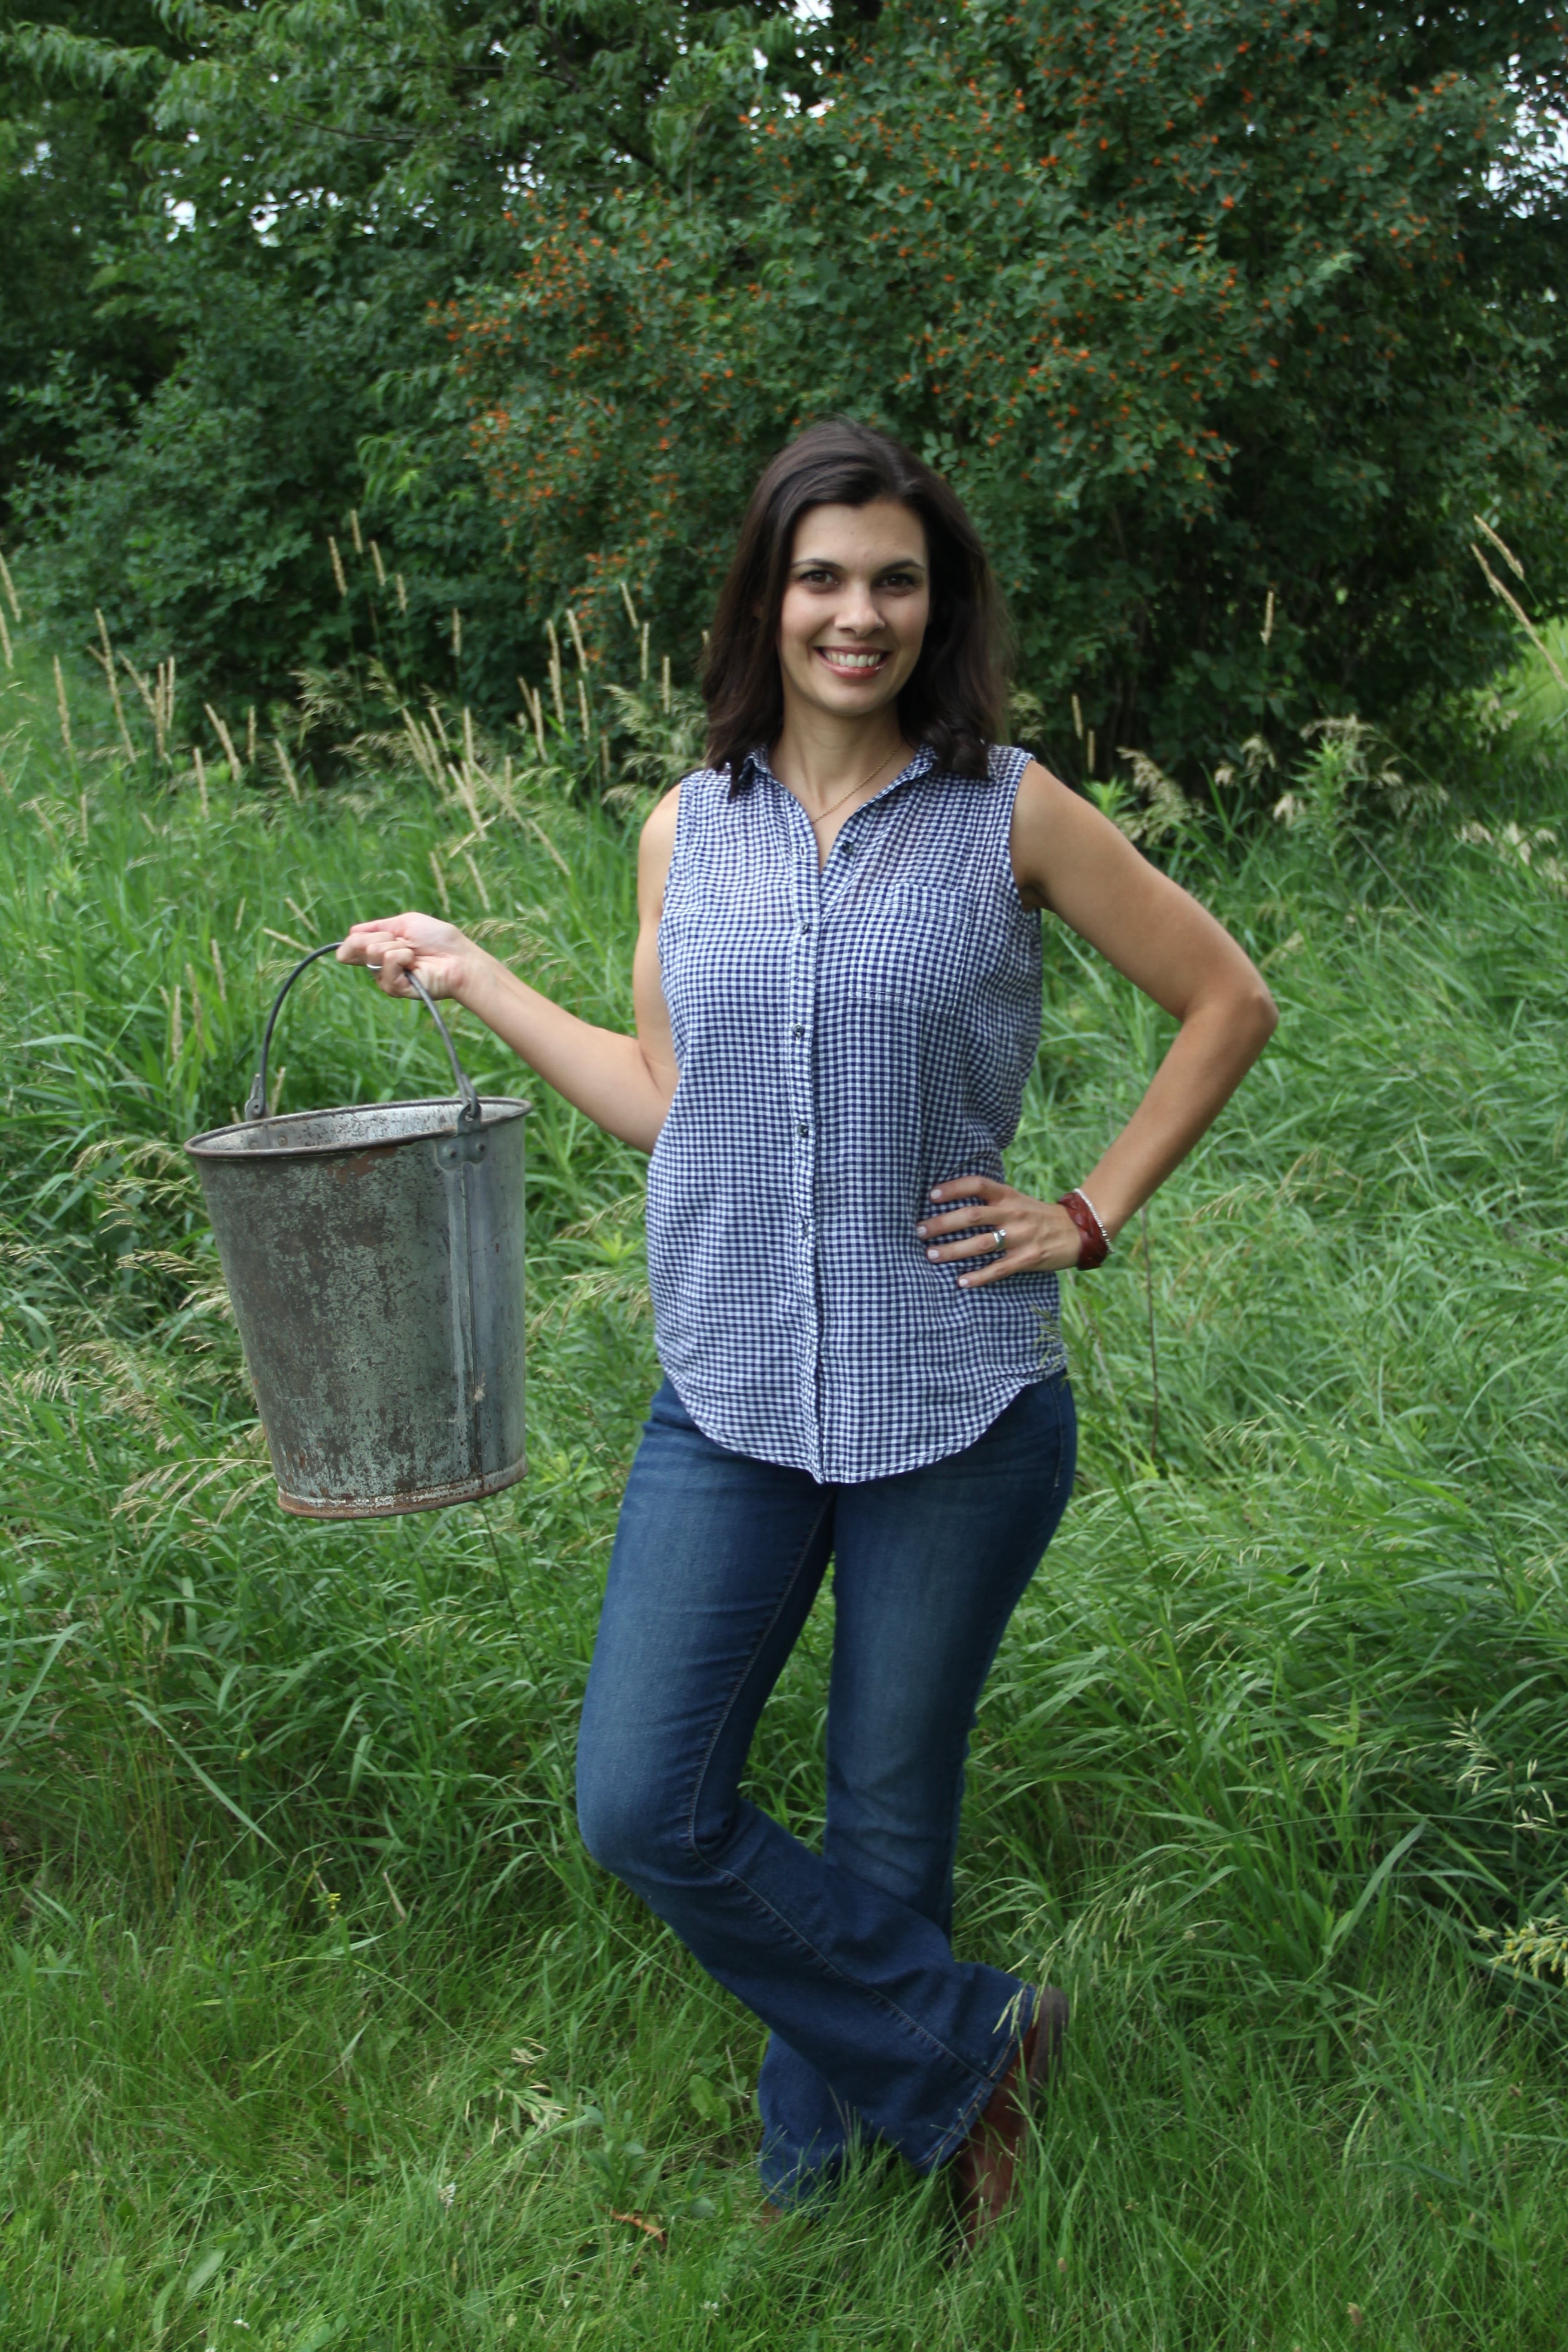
[{"x": 847, "y": 1036}]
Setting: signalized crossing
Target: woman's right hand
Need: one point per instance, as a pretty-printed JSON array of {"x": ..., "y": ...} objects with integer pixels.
[{"x": 442, "y": 958}]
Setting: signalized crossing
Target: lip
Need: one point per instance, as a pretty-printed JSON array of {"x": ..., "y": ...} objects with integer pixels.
[{"x": 850, "y": 661}]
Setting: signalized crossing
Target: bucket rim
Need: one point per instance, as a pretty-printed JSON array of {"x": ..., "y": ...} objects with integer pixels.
[{"x": 498, "y": 1110}]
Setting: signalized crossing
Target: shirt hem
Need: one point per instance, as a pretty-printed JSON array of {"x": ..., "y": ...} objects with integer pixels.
[{"x": 715, "y": 1424}]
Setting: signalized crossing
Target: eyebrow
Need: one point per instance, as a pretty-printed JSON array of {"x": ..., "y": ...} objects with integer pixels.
[{"x": 831, "y": 563}]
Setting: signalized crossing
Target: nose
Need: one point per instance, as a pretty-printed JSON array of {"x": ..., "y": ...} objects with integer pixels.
[{"x": 858, "y": 613}]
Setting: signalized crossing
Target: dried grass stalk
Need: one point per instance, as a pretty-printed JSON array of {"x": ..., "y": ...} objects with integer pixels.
[
  {"x": 287, "y": 766},
  {"x": 106, "y": 662},
  {"x": 153, "y": 695},
  {"x": 1502, "y": 545},
  {"x": 424, "y": 750},
  {"x": 64, "y": 708},
  {"x": 337, "y": 567},
  {"x": 534, "y": 706},
  {"x": 1520, "y": 614},
  {"x": 479, "y": 879},
  {"x": 558, "y": 697},
  {"x": 224, "y": 737}
]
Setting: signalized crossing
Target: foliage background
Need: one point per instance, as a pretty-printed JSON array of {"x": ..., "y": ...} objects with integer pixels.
[{"x": 1201, "y": 306}]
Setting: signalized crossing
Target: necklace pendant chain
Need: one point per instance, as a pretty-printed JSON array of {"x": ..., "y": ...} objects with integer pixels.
[{"x": 823, "y": 813}]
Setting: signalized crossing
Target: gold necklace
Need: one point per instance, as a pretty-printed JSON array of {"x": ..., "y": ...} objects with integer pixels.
[{"x": 823, "y": 813}]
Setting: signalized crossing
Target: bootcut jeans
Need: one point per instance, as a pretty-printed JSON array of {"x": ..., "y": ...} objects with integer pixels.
[{"x": 878, "y": 2032}]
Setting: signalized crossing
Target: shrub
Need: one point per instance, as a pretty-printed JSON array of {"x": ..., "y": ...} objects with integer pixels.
[{"x": 1224, "y": 320}]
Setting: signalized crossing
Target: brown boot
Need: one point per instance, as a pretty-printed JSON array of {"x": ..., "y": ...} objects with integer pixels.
[{"x": 985, "y": 2170}]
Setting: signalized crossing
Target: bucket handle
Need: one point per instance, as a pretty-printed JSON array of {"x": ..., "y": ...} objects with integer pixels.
[{"x": 469, "y": 1115}]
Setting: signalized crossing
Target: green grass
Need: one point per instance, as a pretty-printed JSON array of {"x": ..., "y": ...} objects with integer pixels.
[{"x": 315, "y": 2016}]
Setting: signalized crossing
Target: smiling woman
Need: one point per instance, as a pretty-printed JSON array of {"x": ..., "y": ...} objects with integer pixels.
[
  {"x": 837, "y": 991},
  {"x": 890, "y": 587}
]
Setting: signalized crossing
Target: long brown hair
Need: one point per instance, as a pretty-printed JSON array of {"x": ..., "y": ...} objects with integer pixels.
[{"x": 955, "y": 699}]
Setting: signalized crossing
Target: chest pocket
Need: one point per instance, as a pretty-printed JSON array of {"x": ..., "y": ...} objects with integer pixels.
[{"x": 930, "y": 953}]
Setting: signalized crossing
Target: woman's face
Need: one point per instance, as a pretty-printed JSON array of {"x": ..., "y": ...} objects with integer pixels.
[{"x": 855, "y": 607}]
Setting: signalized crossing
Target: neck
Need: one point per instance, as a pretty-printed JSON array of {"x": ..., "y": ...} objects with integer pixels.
[{"x": 819, "y": 756}]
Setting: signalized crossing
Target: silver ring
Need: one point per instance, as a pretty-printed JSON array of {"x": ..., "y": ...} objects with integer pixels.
[
  {"x": 372, "y": 967},
  {"x": 1001, "y": 1234}
]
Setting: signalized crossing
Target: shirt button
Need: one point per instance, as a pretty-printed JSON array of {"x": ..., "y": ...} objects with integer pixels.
[
  {"x": 800, "y": 1028},
  {"x": 803, "y": 928},
  {"x": 804, "y": 1127},
  {"x": 846, "y": 849}
]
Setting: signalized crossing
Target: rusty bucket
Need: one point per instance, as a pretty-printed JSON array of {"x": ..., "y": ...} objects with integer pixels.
[{"x": 374, "y": 1254}]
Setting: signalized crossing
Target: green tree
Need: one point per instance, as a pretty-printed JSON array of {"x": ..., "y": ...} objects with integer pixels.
[
  {"x": 69, "y": 182},
  {"x": 304, "y": 187},
  {"x": 1224, "y": 318}
]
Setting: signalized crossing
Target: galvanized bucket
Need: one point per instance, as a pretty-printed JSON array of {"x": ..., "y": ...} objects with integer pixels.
[{"x": 374, "y": 1254}]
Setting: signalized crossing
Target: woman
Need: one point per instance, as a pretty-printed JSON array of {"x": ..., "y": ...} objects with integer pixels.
[{"x": 838, "y": 992}]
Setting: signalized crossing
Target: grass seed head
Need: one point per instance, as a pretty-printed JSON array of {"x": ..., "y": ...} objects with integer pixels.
[{"x": 63, "y": 706}]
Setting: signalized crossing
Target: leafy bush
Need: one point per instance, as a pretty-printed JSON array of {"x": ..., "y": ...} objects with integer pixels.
[
  {"x": 1222, "y": 321},
  {"x": 1225, "y": 319},
  {"x": 203, "y": 520}
]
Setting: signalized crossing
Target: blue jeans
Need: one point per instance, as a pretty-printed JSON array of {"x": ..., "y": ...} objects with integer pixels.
[{"x": 878, "y": 2032}]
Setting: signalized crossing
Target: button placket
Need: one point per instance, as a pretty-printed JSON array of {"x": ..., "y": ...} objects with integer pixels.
[{"x": 806, "y": 912}]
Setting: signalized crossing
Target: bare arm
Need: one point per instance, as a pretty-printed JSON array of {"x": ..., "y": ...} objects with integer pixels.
[
  {"x": 1070, "y": 859},
  {"x": 624, "y": 1085}
]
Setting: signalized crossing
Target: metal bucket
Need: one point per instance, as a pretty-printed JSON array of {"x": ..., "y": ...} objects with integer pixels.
[{"x": 374, "y": 1254}]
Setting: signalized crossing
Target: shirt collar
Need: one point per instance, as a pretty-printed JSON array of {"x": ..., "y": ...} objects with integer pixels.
[{"x": 757, "y": 767}]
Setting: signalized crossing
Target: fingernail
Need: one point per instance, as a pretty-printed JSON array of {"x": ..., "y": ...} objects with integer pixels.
[
  {"x": 919, "y": 1233},
  {"x": 932, "y": 1253}
]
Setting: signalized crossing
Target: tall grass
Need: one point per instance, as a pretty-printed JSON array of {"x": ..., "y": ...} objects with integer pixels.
[{"x": 318, "y": 2020}]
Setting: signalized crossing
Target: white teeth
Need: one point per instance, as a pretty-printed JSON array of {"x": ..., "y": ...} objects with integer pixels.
[{"x": 842, "y": 660}]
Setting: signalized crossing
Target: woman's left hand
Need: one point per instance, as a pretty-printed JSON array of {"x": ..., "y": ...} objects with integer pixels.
[{"x": 1037, "y": 1235}]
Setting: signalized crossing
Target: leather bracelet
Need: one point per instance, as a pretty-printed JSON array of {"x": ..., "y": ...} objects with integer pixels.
[{"x": 1093, "y": 1240}]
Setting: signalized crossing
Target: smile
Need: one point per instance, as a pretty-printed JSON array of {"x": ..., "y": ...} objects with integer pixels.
[{"x": 849, "y": 662}]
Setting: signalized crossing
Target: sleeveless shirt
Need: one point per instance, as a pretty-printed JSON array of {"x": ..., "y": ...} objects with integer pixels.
[{"x": 847, "y": 1035}]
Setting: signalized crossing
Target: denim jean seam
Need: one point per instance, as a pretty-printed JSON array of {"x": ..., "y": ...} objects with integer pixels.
[
  {"x": 735, "y": 1879},
  {"x": 888, "y": 2007},
  {"x": 950, "y": 2141},
  {"x": 739, "y": 1683}
]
